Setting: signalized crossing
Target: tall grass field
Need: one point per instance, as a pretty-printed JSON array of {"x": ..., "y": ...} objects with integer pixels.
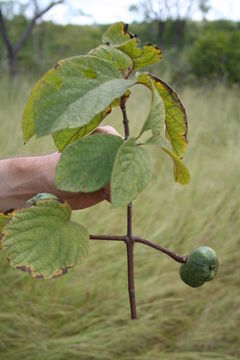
[{"x": 84, "y": 315}]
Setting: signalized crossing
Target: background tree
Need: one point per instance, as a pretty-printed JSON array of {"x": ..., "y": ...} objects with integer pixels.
[
  {"x": 14, "y": 48},
  {"x": 178, "y": 11},
  {"x": 204, "y": 7}
]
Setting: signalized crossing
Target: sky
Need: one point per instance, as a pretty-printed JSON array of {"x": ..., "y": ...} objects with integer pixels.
[{"x": 109, "y": 11}]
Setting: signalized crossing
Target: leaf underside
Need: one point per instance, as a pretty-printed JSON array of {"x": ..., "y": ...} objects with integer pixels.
[
  {"x": 64, "y": 137},
  {"x": 72, "y": 94},
  {"x": 156, "y": 118},
  {"x": 176, "y": 126},
  {"x": 43, "y": 241},
  {"x": 132, "y": 172},
  {"x": 86, "y": 165}
]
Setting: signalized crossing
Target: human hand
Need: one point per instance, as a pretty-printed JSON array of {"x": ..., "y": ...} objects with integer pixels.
[
  {"x": 78, "y": 200},
  {"x": 23, "y": 177}
]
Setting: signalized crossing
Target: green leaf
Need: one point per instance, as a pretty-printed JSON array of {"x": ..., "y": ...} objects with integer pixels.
[
  {"x": 118, "y": 58},
  {"x": 117, "y": 35},
  {"x": 86, "y": 165},
  {"x": 64, "y": 137},
  {"x": 72, "y": 94},
  {"x": 43, "y": 241},
  {"x": 3, "y": 220},
  {"x": 176, "y": 118},
  {"x": 156, "y": 118},
  {"x": 181, "y": 173},
  {"x": 50, "y": 80},
  {"x": 148, "y": 55},
  {"x": 131, "y": 173}
]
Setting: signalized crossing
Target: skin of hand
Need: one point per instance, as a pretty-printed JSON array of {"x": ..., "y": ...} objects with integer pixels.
[{"x": 23, "y": 177}]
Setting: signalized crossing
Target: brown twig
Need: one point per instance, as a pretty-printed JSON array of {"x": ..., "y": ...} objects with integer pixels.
[
  {"x": 129, "y": 242},
  {"x": 108, "y": 237},
  {"x": 137, "y": 239},
  {"x": 125, "y": 119},
  {"x": 176, "y": 257}
]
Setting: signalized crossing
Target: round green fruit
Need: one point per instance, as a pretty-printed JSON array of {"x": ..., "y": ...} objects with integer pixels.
[
  {"x": 40, "y": 196},
  {"x": 201, "y": 266},
  {"x": 188, "y": 277}
]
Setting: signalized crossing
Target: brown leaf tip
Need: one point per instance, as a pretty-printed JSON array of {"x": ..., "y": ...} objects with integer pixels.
[{"x": 125, "y": 30}]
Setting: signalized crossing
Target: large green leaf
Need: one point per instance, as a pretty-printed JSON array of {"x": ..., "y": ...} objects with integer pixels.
[
  {"x": 3, "y": 220},
  {"x": 156, "y": 118},
  {"x": 50, "y": 80},
  {"x": 117, "y": 35},
  {"x": 86, "y": 165},
  {"x": 72, "y": 94},
  {"x": 43, "y": 241},
  {"x": 175, "y": 114},
  {"x": 181, "y": 173},
  {"x": 131, "y": 173}
]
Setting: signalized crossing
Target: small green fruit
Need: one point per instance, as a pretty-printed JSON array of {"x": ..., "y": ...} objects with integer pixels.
[
  {"x": 201, "y": 266},
  {"x": 40, "y": 196}
]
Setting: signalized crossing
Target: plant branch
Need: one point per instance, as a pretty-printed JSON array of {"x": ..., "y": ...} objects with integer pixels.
[
  {"x": 137, "y": 239},
  {"x": 129, "y": 240},
  {"x": 125, "y": 119},
  {"x": 129, "y": 221},
  {"x": 131, "y": 286},
  {"x": 176, "y": 257},
  {"x": 108, "y": 237}
]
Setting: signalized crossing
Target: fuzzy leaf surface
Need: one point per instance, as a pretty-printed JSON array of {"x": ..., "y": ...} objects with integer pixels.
[
  {"x": 86, "y": 165},
  {"x": 72, "y": 94},
  {"x": 132, "y": 172},
  {"x": 43, "y": 241}
]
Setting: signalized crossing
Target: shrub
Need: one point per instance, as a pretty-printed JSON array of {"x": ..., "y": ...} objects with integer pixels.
[{"x": 216, "y": 55}]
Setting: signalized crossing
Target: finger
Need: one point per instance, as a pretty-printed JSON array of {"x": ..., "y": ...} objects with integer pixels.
[{"x": 107, "y": 129}]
